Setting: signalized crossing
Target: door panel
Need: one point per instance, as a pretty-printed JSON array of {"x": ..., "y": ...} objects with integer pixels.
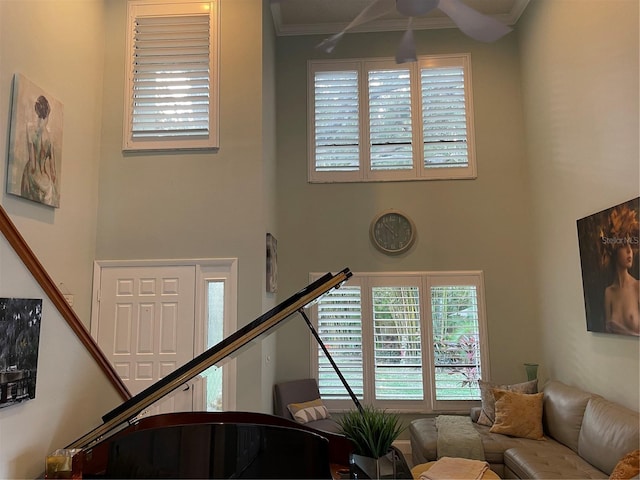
[{"x": 146, "y": 326}]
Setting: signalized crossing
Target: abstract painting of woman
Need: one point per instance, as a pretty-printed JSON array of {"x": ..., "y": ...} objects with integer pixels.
[
  {"x": 35, "y": 144},
  {"x": 39, "y": 178}
]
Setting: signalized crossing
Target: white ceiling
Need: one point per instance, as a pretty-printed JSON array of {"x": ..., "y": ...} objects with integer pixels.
[{"x": 305, "y": 17}]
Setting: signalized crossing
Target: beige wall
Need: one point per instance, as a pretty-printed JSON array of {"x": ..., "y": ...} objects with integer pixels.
[
  {"x": 269, "y": 353},
  {"x": 580, "y": 71},
  {"x": 203, "y": 204},
  {"x": 554, "y": 145},
  {"x": 557, "y": 135},
  {"x": 150, "y": 206},
  {"x": 72, "y": 393},
  {"x": 44, "y": 41},
  {"x": 482, "y": 224}
]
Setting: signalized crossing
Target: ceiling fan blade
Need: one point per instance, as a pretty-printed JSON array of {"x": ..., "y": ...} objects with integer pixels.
[
  {"x": 473, "y": 23},
  {"x": 415, "y": 8},
  {"x": 375, "y": 9},
  {"x": 328, "y": 44},
  {"x": 407, "y": 49}
]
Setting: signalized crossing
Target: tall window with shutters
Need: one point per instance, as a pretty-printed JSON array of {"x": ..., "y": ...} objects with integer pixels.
[
  {"x": 412, "y": 341},
  {"x": 374, "y": 120},
  {"x": 171, "y": 96}
]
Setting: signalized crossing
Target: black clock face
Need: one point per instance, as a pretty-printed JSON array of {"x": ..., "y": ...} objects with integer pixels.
[{"x": 392, "y": 232}]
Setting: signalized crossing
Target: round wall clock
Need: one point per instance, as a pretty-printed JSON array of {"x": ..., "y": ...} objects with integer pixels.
[{"x": 392, "y": 232}]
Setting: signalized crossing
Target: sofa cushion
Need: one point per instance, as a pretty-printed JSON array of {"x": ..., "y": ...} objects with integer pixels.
[
  {"x": 474, "y": 413},
  {"x": 495, "y": 444},
  {"x": 563, "y": 409},
  {"x": 424, "y": 440},
  {"x": 487, "y": 414},
  {"x": 326, "y": 425},
  {"x": 518, "y": 414},
  {"x": 548, "y": 460},
  {"x": 609, "y": 431}
]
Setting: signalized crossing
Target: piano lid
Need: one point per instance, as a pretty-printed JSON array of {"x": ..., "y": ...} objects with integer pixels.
[{"x": 127, "y": 411}]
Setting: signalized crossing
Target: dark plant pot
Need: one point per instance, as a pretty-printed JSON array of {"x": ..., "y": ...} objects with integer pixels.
[{"x": 383, "y": 467}]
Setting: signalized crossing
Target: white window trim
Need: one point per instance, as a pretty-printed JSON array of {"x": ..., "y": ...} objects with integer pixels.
[
  {"x": 225, "y": 271},
  {"x": 137, "y": 8},
  {"x": 427, "y": 279},
  {"x": 364, "y": 172}
]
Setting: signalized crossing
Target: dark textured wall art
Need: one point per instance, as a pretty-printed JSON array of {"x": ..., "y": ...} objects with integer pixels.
[{"x": 19, "y": 339}]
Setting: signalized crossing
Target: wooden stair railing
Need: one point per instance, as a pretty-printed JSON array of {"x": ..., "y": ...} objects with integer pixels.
[{"x": 48, "y": 285}]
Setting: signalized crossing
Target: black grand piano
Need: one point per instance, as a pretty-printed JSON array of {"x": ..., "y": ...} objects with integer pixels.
[{"x": 216, "y": 444}]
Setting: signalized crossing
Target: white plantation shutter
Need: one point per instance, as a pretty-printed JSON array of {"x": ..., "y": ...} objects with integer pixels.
[
  {"x": 397, "y": 343},
  {"x": 408, "y": 341},
  {"x": 339, "y": 324},
  {"x": 172, "y": 99},
  {"x": 444, "y": 117},
  {"x": 337, "y": 131},
  {"x": 365, "y": 116},
  {"x": 171, "y": 76},
  {"x": 390, "y": 129},
  {"x": 456, "y": 339}
]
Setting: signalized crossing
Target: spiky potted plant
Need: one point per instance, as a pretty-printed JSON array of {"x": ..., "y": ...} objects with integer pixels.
[{"x": 372, "y": 431}]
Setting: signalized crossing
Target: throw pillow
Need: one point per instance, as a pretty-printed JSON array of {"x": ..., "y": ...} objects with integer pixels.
[
  {"x": 518, "y": 414},
  {"x": 628, "y": 467},
  {"x": 487, "y": 413},
  {"x": 308, "y": 411}
]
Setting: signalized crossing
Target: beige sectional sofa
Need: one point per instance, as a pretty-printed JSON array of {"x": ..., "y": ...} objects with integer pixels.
[{"x": 585, "y": 436}]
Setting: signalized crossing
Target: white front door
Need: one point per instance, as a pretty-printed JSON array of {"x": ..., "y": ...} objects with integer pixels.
[{"x": 146, "y": 327}]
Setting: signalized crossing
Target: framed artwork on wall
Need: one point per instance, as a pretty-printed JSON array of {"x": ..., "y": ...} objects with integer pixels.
[
  {"x": 20, "y": 320},
  {"x": 272, "y": 264},
  {"x": 35, "y": 144},
  {"x": 608, "y": 242}
]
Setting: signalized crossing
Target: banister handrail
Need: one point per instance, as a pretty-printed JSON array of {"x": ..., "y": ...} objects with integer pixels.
[{"x": 17, "y": 241}]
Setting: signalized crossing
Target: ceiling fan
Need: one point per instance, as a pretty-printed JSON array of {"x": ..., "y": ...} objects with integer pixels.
[{"x": 471, "y": 22}]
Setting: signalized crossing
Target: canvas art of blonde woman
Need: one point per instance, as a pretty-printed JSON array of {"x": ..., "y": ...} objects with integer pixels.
[{"x": 619, "y": 245}]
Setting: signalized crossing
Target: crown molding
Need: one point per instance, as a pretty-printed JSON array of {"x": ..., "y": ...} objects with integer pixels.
[{"x": 383, "y": 25}]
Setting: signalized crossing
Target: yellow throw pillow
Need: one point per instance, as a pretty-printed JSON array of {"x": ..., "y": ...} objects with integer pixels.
[
  {"x": 518, "y": 414},
  {"x": 628, "y": 467},
  {"x": 308, "y": 411},
  {"x": 487, "y": 413}
]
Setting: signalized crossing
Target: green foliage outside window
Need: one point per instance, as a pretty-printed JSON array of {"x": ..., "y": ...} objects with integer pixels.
[{"x": 398, "y": 349}]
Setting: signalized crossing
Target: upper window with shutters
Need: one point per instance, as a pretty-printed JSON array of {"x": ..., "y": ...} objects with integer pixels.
[
  {"x": 171, "y": 97},
  {"x": 374, "y": 120}
]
